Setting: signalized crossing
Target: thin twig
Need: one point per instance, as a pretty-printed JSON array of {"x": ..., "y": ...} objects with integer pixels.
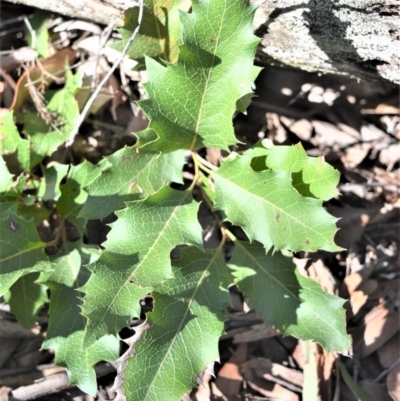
[
  {"x": 102, "y": 42},
  {"x": 106, "y": 78}
]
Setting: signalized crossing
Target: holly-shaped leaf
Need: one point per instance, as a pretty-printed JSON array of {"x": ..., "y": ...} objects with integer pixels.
[
  {"x": 21, "y": 250},
  {"x": 26, "y": 297},
  {"x": 66, "y": 326},
  {"x": 312, "y": 176},
  {"x": 283, "y": 297},
  {"x": 49, "y": 189},
  {"x": 137, "y": 257},
  {"x": 128, "y": 175},
  {"x": 185, "y": 326},
  {"x": 191, "y": 102},
  {"x": 73, "y": 196},
  {"x": 279, "y": 216},
  {"x": 160, "y": 31}
]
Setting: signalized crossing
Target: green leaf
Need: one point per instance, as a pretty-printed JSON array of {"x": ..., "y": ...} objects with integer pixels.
[
  {"x": 283, "y": 297},
  {"x": 9, "y": 135},
  {"x": 73, "y": 196},
  {"x": 191, "y": 102},
  {"x": 40, "y": 40},
  {"x": 131, "y": 175},
  {"x": 312, "y": 176},
  {"x": 52, "y": 176},
  {"x": 137, "y": 257},
  {"x": 279, "y": 216},
  {"x": 185, "y": 326},
  {"x": 44, "y": 137},
  {"x": 21, "y": 250},
  {"x": 160, "y": 32},
  {"x": 66, "y": 326},
  {"x": 6, "y": 179},
  {"x": 26, "y": 298}
]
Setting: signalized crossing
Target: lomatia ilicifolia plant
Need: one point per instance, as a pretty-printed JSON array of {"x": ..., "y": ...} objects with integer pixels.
[{"x": 199, "y": 59}]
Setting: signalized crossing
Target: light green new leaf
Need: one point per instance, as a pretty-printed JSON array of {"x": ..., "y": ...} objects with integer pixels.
[
  {"x": 279, "y": 216},
  {"x": 128, "y": 175},
  {"x": 185, "y": 326},
  {"x": 49, "y": 188},
  {"x": 6, "y": 179},
  {"x": 40, "y": 40},
  {"x": 137, "y": 257},
  {"x": 9, "y": 135},
  {"x": 26, "y": 298},
  {"x": 295, "y": 304},
  {"x": 43, "y": 138},
  {"x": 160, "y": 32},
  {"x": 312, "y": 176},
  {"x": 21, "y": 250},
  {"x": 191, "y": 102},
  {"x": 66, "y": 325}
]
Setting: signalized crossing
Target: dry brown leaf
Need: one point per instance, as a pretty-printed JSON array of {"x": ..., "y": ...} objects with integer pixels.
[
  {"x": 360, "y": 287},
  {"x": 319, "y": 272},
  {"x": 274, "y": 391},
  {"x": 355, "y": 154},
  {"x": 4, "y": 391},
  {"x": 52, "y": 65},
  {"x": 378, "y": 391},
  {"x": 298, "y": 355},
  {"x": 229, "y": 379},
  {"x": 393, "y": 383},
  {"x": 351, "y": 223},
  {"x": 203, "y": 392},
  {"x": 381, "y": 324},
  {"x": 336, "y": 136},
  {"x": 276, "y": 131},
  {"x": 274, "y": 372},
  {"x": 302, "y": 128},
  {"x": 111, "y": 91},
  {"x": 390, "y": 351}
]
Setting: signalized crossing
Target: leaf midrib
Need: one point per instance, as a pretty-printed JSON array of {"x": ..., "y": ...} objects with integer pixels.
[
  {"x": 270, "y": 204},
  {"x": 178, "y": 331},
  {"x": 206, "y": 86},
  {"x": 160, "y": 234}
]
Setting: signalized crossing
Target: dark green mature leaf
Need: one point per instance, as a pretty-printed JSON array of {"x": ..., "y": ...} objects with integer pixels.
[
  {"x": 191, "y": 102},
  {"x": 160, "y": 32},
  {"x": 128, "y": 175},
  {"x": 137, "y": 257},
  {"x": 295, "y": 304},
  {"x": 21, "y": 250},
  {"x": 44, "y": 137},
  {"x": 26, "y": 298},
  {"x": 279, "y": 216},
  {"x": 185, "y": 326},
  {"x": 66, "y": 326}
]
